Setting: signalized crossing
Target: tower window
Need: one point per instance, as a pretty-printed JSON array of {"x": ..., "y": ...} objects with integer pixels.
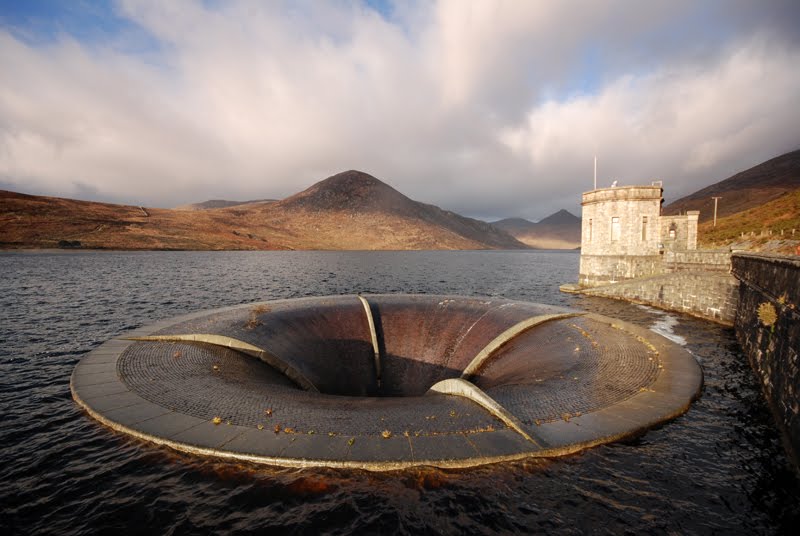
[
  {"x": 615, "y": 229},
  {"x": 644, "y": 228},
  {"x": 589, "y": 233}
]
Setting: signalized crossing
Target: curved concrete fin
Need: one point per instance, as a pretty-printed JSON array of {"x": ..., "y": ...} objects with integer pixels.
[
  {"x": 461, "y": 387},
  {"x": 374, "y": 336},
  {"x": 484, "y": 355},
  {"x": 246, "y": 348}
]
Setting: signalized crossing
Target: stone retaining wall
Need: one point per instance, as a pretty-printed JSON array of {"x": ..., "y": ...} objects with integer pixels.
[
  {"x": 708, "y": 295},
  {"x": 598, "y": 270},
  {"x": 699, "y": 259},
  {"x": 768, "y": 328}
]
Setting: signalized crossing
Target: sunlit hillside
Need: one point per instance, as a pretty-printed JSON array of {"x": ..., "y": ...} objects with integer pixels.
[{"x": 777, "y": 220}]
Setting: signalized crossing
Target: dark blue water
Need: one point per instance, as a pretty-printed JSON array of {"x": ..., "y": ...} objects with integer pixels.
[{"x": 717, "y": 469}]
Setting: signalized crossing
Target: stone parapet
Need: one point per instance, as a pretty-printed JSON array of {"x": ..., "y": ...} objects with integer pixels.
[
  {"x": 768, "y": 328},
  {"x": 698, "y": 259},
  {"x": 622, "y": 193}
]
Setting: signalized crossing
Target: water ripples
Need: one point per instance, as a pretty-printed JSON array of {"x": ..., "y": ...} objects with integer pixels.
[{"x": 719, "y": 468}]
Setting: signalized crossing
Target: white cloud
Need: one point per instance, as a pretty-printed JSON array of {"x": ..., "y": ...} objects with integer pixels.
[
  {"x": 686, "y": 126},
  {"x": 445, "y": 101}
]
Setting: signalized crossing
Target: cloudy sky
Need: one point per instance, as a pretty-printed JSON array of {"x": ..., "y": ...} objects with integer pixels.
[{"x": 489, "y": 108}]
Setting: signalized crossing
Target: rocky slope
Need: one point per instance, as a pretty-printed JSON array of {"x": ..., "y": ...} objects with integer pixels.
[{"x": 353, "y": 208}]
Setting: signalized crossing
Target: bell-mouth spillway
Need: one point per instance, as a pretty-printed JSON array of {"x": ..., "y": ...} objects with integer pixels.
[{"x": 385, "y": 382}]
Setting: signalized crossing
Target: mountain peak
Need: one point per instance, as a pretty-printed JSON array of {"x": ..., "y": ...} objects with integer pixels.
[
  {"x": 352, "y": 177},
  {"x": 562, "y": 217},
  {"x": 349, "y": 190},
  {"x": 353, "y": 193}
]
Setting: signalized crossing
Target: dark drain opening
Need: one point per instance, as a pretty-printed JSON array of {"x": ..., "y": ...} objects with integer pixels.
[{"x": 347, "y": 368}]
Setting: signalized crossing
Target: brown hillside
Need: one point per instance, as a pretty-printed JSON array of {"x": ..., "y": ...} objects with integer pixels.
[
  {"x": 377, "y": 210},
  {"x": 745, "y": 190},
  {"x": 348, "y": 211},
  {"x": 774, "y": 221},
  {"x": 28, "y": 221},
  {"x": 220, "y": 203}
]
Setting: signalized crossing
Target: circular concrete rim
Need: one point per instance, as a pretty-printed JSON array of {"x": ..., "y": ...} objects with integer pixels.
[{"x": 96, "y": 387}]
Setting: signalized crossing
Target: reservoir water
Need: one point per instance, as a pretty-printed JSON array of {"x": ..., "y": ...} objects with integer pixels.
[{"x": 718, "y": 469}]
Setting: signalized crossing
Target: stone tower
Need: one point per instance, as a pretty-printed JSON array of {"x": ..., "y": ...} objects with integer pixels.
[
  {"x": 624, "y": 235},
  {"x": 620, "y": 234}
]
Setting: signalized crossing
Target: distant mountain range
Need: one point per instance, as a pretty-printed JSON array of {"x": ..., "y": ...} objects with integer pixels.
[
  {"x": 561, "y": 230},
  {"x": 351, "y": 210},
  {"x": 354, "y": 210}
]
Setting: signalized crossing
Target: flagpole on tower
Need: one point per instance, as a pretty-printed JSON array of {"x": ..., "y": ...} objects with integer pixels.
[{"x": 595, "y": 172}]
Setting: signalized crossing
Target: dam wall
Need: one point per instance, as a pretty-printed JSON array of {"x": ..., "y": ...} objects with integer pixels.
[
  {"x": 757, "y": 294},
  {"x": 709, "y": 295},
  {"x": 768, "y": 328}
]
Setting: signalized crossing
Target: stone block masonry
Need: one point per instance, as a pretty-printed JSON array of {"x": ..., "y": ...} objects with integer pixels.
[
  {"x": 606, "y": 269},
  {"x": 631, "y": 252},
  {"x": 697, "y": 260},
  {"x": 708, "y": 295},
  {"x": 760, "y": 298},
  {"x": 624, "y": 236},
  {"x": 768, "y": 329}
]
